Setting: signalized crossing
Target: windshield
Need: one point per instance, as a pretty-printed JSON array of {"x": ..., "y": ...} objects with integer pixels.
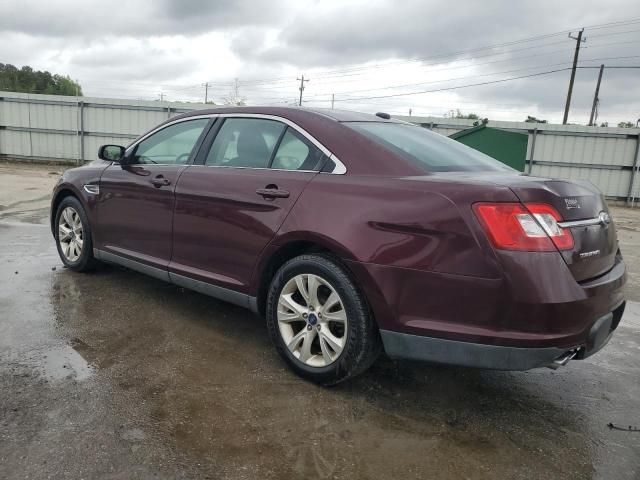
[{"x": 431, "y": 151}]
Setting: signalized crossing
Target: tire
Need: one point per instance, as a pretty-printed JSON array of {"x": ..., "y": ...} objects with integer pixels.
[
  {"x": 357, "y": 335},
  {"x": 72, "y": 213}
]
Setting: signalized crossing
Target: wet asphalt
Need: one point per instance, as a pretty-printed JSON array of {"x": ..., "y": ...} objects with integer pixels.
[{"x": 113, "y": 375}]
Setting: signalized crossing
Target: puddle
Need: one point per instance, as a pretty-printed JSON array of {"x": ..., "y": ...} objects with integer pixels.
[
  {"x": 65, "y": 363},
  {"x": 133, "y": 435}
]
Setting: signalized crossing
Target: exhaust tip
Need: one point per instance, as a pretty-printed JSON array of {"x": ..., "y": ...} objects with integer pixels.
[{"x": 563, "y": 359}]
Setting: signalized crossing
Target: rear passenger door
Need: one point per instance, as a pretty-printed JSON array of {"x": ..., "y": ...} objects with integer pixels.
[{"x": 249, "y": 173}]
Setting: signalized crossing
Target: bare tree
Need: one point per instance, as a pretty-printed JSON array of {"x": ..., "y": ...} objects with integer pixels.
[{"x": 458, "y": 114}]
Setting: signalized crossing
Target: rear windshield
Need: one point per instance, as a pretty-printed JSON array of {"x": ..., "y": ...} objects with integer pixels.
[{"x": 431, "y": 151}]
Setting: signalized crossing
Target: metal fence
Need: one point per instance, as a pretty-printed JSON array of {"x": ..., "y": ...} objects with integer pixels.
[
  {"x": 608, "y": 157},
  {"x": 61, "y": 129}
]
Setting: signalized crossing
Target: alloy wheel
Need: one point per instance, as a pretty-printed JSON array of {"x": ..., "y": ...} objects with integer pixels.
[
  {"x": 312, "y": 320},
  {"x": 70, "y": 234}
]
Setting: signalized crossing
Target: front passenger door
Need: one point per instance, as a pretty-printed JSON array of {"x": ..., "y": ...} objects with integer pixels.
[
  {"x": 229, "y": 209},
  {"x": 135, "y": 208}
]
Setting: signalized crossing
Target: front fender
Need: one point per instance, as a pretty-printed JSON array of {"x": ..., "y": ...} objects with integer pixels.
[{"x": 72, "y": 182}]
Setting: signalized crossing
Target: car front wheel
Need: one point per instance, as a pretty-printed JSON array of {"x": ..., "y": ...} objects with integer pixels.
[
  {"x": 73, "y": 235},
  {"x": 319, "y": 321}
]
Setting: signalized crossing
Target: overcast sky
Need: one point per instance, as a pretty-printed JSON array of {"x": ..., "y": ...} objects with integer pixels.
[{"x": 352, "y": 49}]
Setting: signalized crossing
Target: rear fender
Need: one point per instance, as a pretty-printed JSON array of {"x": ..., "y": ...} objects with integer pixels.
[{"x": 395, "y": 222}]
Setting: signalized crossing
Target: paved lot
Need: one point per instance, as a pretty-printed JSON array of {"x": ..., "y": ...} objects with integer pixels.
[{"x": 115, "y": 375}]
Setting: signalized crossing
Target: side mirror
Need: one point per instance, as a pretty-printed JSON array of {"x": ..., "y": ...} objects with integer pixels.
[{"x": 111, "y": 153}]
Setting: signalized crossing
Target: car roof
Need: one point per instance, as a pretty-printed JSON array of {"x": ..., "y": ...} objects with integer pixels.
[
  {"x": 329, "y": 127},
  {"x": 348, "y": 115},
  {"x": 334, "y": 114}
]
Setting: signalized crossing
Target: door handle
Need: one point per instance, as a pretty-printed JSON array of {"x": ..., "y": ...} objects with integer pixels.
[
  {"x": 160, "y": 181},
  {"x": 272, "y": 193}
]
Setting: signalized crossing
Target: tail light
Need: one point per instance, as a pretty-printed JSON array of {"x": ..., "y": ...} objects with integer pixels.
[{"x": 529, "y": 227}]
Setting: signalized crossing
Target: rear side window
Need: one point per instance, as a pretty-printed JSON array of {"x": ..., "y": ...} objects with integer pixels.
[
  {"x": 296, "y": 153},
  {"x": 245, "y": 142},
  {"x": 431, "y": 151}
]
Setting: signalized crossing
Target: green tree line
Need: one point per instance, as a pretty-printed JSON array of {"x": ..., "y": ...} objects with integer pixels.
[{"x": 28, "y": 80}]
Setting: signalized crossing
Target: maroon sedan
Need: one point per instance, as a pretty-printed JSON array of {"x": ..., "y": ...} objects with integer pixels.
[{"x": 354, "y": 234}]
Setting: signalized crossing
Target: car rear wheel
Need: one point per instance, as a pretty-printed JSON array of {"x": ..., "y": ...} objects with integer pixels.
[
  {"x": 319, "y": 321},
  {"x": 73, "y": 235}
]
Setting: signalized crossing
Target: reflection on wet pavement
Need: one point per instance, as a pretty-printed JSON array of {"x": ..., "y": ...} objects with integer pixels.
[{"x": 116, "y": 375}]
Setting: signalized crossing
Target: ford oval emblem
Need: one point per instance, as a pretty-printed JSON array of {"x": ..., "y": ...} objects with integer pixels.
[{"x": 605, "y": 218}]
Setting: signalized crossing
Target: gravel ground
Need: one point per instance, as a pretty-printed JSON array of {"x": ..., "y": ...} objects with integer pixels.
[{"x": 114, "y": 375}]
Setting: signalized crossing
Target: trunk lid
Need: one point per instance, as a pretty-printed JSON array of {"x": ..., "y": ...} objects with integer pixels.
[{"x": 584, "y": 211}]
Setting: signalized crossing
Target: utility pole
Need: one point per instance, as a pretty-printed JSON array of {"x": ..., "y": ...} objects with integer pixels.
[
  {"x": 161, "y": 96},
  {"x": 410, "y": 112},
  {"x": 236, "y": 90},
  {"x": 206, "y": 91},
  {"x": 301, "y": 88},
  {"x": 578, "y": 40},
  {"x": 333, "y": 98},
  {"x": 596, "y": 100}
]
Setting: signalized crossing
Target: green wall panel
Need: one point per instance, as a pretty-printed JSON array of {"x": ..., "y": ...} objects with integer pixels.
[{"x": 508, "y": 147}]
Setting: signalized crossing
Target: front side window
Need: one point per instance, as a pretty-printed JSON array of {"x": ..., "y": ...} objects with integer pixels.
[
  {"x": 171, "y": 145},
  {"x": 245, "y": 142},
  {"x": 430, "y": 151},
  {"x": 295, "y": 153}
]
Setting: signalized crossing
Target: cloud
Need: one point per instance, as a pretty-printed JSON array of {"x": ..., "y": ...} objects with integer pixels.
[
  {"x": 68, "y": 18},
  {"x": 351, "y": 49},
  {"x": 361, "y": 31}
]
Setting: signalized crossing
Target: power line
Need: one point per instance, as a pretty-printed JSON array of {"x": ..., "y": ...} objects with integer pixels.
[
  {"x": 321, "y": 77},
  {"x": 613, "y": 33},
  {"x": 279, "y": 80},
  {"x": 267, "y": 85},
  {"x": 461, "y": 52},
  {"x": 461, "y": 86},
  {"x": 612, "y": 66},
  {"x": 475, "y": 75},
  {"x": 525, "y": 40},
  {"x": 492, "y": 55}
]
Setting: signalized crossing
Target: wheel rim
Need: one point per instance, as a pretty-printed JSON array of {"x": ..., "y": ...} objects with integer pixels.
[
  {"x": 70, "y": 234},
  {"x": 312, "y": 320}
]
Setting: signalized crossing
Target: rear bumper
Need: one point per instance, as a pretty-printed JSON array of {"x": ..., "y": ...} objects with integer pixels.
[
  {"x": 496, "y": 357},
  {"x": 451, "y": 352},
  {"x": 535, "y": 316}
]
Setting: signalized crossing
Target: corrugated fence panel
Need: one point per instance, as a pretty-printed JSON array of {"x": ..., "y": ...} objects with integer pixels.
[
  {"x": 45, "y": 127},
  {"x": 14, "y": 114},
  {"x": 614, "y": 183},
  {"x": 636, "y": 190},
  {"x": 53, "y": 145},
  {"x": 52, "y": 127},
  {"x": 117, "y": 120},
  {"x": 93, "y": 143},
  {"x": 15, "y": 143},
  {"x": 605, "y": 156},
  {"x": 590, "y": 150},
  {"x": 51, "y": 116}
]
